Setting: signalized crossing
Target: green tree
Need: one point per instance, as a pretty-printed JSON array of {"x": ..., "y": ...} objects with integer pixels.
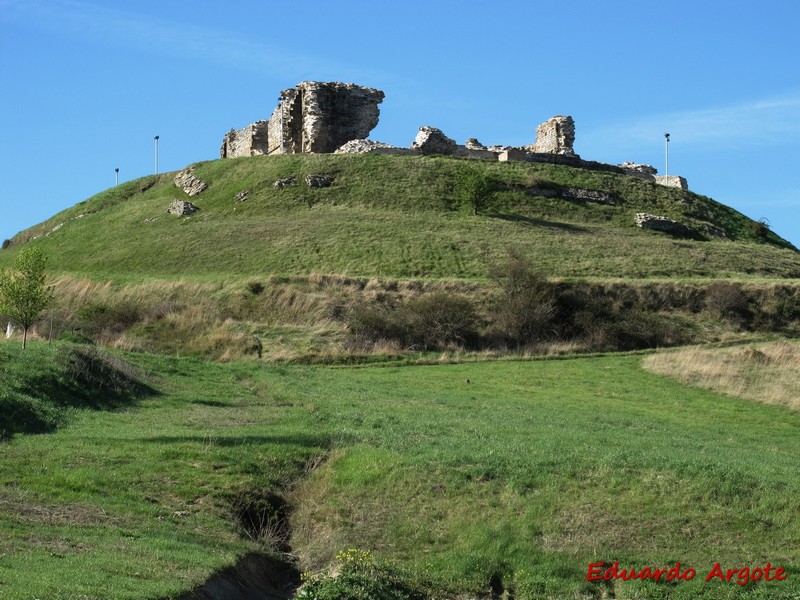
[
  {"x": 475, "y": 187},
  {"x": 23, "y": 293}
]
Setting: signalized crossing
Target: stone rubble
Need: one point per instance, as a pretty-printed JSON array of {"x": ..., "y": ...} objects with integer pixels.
[
  {"x": 182, "y": 208},
  {"x": 431, "y": 140},
  {"x": 189, "y": 182},
  {"x": 286, "y": 181},
  {"x": 318, "y": 181},
  {"x": 370, "y": 147},
  {"x": 659, "y": 223},
  {"x": 642, "y": 171},
  {"x": 242, "y": 196},
  {"x": 588, "y": 195}
]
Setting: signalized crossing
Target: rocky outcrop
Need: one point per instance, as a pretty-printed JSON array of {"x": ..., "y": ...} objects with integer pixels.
[
  {"x": 249, "y": 141},
  {"x": 189, "y": 182},
  {"x": 658, "y": 223},
  {"x": 318, "y": 181},
  {"x": 431, "y": 140},
  {"x": 474, "y": 144},
  {"x": 182, "y": 208},
  {"x": 555, "y": 136}
]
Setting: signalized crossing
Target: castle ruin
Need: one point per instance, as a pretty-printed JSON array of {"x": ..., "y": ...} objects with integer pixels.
[
  {"x": 312, "y": 117},
  {"x": 332, "y": 117}
]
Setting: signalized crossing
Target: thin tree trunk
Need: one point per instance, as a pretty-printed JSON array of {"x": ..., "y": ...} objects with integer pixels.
[{"x": 24, "y": 337}]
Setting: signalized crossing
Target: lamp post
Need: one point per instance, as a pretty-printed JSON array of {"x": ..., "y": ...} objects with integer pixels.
[
  {"x": 155, "y": 139},
  {"x": 116, "y": 173},
  {"x": 666, "y": 137}
]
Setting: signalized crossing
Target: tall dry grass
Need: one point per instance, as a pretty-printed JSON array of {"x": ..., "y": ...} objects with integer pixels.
[{"x": 768, "y": 373}]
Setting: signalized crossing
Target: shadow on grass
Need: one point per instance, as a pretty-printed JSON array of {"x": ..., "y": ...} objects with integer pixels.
[
  {"x": 37, "y": 386},
  {"x": 533, "y": 222}
]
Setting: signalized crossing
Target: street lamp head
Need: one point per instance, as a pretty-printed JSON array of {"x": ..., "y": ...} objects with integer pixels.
[
  {"x": 116, "y": 170},
  {"x": 156, "y": 138},
  {"x": 666, "y": 135}
]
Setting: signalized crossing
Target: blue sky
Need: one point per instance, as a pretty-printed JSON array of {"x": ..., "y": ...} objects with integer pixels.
[{"x": 86, "y": 85}]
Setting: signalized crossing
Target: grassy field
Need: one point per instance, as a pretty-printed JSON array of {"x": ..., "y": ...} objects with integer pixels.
[
  {"x": 472, "y": 478},
  {"x": 401, "y": 217}
]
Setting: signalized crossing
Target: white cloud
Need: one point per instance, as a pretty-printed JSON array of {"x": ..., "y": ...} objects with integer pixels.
[
  {"x": 167, "y": 38},
  {"x": 759, "y": 123}
]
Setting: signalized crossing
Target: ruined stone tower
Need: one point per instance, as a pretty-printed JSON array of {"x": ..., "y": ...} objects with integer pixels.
[
  {"x": 312, "y": 117},
  {"x": 555, "y": 136}
]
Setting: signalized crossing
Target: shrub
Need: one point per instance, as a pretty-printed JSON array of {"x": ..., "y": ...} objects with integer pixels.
[
  {"x": 255, "y": 287},
  {"x": 6, "y": 243},
  {"x": 526, "y": 309},
  {"x": 439, "y": 319},
  {"x": 360, "y": 577},
  {"x": 369, "y": 324},
  {"x": 728, "y": 301},
  {"x": 432, "y": 321},
  {"x": 95, "y": 319},
  {"x": 758, "y": 229}
]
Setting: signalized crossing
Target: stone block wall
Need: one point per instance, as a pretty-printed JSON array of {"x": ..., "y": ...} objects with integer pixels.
[
  {"x": 672, "y": 181},
  {"x": 555, "y": 136},
  {"x": 249, "y": 141}
]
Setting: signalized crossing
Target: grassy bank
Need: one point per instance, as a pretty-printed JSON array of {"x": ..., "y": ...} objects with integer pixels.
[
  {"x": 467, "y": 477},
  {"x": 768, "y": 373},
  {"x": 323, "y": 318}
]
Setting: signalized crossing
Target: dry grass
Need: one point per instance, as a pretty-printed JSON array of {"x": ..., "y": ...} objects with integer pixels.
[{"x": 768, "y": 373}]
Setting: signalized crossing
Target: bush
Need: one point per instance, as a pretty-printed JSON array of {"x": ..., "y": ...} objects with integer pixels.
[
  {"x": 440, "y": 319},
  {"x": 728, "y": 301},
  {"x": 369, "y": 324},
  {"x": 360, "y": 577},
  {"x": 758, "y": 229},
  {"x": 255, "y": 287},
  {"x": 526, "y": 310},
  {"x": 6, "y": 243},
  {"x": 433, "y": 321},
  {"x": 97, "y": 318}
]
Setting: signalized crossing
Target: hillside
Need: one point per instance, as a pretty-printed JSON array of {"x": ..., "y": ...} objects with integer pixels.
[
  {"x": 402, "y": 217},
  {"x": 371, "y": 381}
]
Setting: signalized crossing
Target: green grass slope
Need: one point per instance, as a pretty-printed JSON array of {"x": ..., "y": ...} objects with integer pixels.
[
  {"x": 472, "y": 478},
  {"x": 398, "y": 217}
]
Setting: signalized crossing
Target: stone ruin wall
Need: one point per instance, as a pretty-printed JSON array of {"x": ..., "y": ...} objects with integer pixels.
[
  {"x": 334, "y": 117},
  {"x": 555, "y": 136},
  {"x": 312, "y": 117},
  {"x": 249, "y": 141}
]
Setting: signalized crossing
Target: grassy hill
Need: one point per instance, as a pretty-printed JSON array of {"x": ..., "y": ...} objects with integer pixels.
[
  {"x": 498, "y": 477},
  {"x": 400, "y": 217}
]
